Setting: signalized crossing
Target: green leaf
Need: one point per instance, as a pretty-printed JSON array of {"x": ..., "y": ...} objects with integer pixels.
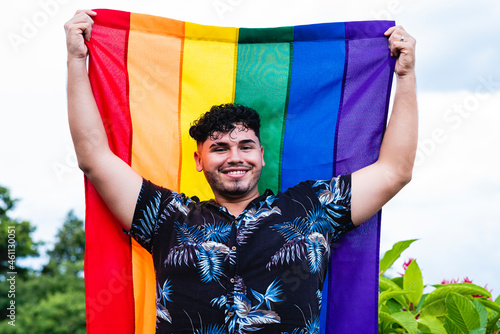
[
  {"x": 387, "y": 284},
  {"x": 407, "y": 321},
  {"x": 478, "y": 331},
  {"x": 384, "y": 308},
  {"x": 404, "y": 319},
  {"x": 489, "y": 304},
  {"x": 393, "y": 306},
  {"x": 437, "y": 296},
  {"x": 430, "y": 324},
  {"x": 458, "y": 287},
  {"x": 451, "y": 327},
  {"x": 386, "y": 295},
  {"x": 385, "y": 322},
  {"x": 483, "y": 312},
  {"x": 436, "y": 309},
  {"x": 462, "y": 312},
  {"x": 392, "y": 255},
  {"x": 398, "y": 281},
  {"x": 492, "y": 323},
  {"x": 413, "y": 282}
]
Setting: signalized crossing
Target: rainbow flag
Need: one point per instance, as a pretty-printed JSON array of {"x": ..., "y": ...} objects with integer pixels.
[{"x": 322, "y": 91}]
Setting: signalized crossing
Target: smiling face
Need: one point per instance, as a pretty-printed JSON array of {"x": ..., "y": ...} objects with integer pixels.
[{"x": 232, "y": 163}]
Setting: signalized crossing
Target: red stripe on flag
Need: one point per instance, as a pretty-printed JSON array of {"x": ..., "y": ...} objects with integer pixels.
[{"x": 108, "y": 258}]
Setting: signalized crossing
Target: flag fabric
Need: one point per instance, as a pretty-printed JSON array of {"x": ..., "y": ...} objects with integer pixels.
[{"x": 322, "y": 91}]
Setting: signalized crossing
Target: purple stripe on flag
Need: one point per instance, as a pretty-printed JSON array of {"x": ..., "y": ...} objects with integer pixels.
[{"x": 353, "y": 292}]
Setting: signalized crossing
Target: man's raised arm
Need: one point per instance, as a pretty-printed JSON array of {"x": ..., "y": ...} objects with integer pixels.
[
  {"x": 117, "y": 183},
  {"x": 376, "y": 184}
]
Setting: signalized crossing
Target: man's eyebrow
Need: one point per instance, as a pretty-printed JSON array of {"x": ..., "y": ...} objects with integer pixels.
[
  {"x": 219, "y": 144},
  {"x": 247, "y": 141},
  {"x": 224, "y": 144}
]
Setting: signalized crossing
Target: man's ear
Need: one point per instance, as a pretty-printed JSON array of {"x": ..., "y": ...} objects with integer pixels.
[
  {"x": 262, "y": 152},
  {"x": 197, "y": 159}
]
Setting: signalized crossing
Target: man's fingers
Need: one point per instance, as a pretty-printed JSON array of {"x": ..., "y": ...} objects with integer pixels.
[
  {"x": 86, "y": 11},
  {"x": 398, "y": 40},
  {"x": 82, "y": 22}
]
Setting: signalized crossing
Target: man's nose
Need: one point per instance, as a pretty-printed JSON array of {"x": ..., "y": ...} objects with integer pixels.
[{"x": 234, "y": 156}]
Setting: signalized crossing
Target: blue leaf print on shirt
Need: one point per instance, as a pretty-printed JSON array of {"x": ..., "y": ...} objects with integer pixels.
[
  {"x": 335, "y": 191},
  {"x": 211, "y": 260},
  {"x": 301, "y": 241},
  {"x": 272, "y": 295},
  {"x": 211, "y": 329},
  {"x": 163, "y": 295},
  {"x": 312, "y": 327},
  {"x": 201, "y": 247},
  {"x": 149, "y": 216},
  {"x": 295, "y": 233},
  {"x": 251, "y": 318},
  {"x": 252, "y": 219},
  {"x": 219, "y": 232},
  {"x": 311, "y": 236}
]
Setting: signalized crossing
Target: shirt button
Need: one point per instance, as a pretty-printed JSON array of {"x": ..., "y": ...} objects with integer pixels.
[
  {"x": 229, "y": 314},
  {"x": 231, "y": 280},
  {"x": 233, "y": 248}
]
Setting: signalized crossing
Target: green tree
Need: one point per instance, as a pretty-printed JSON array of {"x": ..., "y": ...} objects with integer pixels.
[
  {"x": 69, "y": 250},
  {"x": 51, "y": 300},
  {"x": 15, "y": 233},
  {"x": 15, "y": 243}
]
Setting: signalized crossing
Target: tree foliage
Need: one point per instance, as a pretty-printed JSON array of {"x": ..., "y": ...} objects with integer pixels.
[
  {"x": 51, "y": 300},
  {"x": 69, "y": 250},
  {"x": 14, "y": 232}
]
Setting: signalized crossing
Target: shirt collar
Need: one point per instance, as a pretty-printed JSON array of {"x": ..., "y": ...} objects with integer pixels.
[{"x": 253, "y": 203}]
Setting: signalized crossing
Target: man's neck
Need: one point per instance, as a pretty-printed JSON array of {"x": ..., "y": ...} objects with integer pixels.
[{"x": 235, "y": 206}]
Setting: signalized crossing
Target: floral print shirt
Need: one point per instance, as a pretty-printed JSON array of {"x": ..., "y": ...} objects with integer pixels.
[{"x": 262, "y": 271}]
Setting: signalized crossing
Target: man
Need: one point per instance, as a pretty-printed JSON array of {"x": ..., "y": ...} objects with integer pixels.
[{"x": 220, "y": 265}]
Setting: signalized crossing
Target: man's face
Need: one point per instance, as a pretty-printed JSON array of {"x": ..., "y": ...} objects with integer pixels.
[{"x": 232, "y": 163}]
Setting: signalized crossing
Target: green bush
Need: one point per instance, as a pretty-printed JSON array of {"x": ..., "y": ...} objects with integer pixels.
[{"x": 455, "y": 308}]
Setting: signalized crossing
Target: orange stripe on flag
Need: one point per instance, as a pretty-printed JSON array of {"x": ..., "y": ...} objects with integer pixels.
[
  {"x": 154, "y": 69},
  {"x": 156, "y": 25}
]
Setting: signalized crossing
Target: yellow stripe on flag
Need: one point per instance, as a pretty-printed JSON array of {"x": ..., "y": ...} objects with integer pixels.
[{"x": 206, "y": 80}]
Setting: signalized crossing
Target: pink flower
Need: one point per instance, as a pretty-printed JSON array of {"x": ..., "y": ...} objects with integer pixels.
[
  {"x": 406, "y": 264},
  {"x": 466, "y": 280},
  {"x": 452, "y": 281}
]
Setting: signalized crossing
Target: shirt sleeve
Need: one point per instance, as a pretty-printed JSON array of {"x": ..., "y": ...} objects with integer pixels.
[
  {"x": 335, "y": 198},
  {"x": 147, "y": 212}
]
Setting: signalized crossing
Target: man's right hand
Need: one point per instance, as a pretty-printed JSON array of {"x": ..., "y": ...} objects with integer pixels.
[{"x": 79, "y": 29}]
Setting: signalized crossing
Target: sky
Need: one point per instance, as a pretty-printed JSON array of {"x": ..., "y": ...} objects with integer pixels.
[{"x": 452, "y": 204}]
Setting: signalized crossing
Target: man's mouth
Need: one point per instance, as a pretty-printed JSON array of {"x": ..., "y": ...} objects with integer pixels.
[{"x": 236, "y": 172}]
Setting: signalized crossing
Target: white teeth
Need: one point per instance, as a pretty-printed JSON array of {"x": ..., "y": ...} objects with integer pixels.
[{"x": 236, "y": 172}]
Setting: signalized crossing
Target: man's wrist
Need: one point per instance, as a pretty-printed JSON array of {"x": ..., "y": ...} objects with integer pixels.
[
  {"x": 76, "y": 62},
  {"x": 407, "y": 76}
]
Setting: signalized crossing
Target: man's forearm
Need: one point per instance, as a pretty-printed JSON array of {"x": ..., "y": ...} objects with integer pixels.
[
  {"x": 87, "y": 130},
  {"x": 400, "y": 139}
]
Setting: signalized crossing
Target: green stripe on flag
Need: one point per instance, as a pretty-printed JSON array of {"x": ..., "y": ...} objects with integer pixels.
[{"x": 262, "y": 83}]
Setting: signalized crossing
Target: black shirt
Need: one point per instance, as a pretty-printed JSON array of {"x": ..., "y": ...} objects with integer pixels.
[{"x": 262, "y": 271}]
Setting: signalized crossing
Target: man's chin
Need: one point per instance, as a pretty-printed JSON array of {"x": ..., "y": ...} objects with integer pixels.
[{"x": 234, "y": 193}]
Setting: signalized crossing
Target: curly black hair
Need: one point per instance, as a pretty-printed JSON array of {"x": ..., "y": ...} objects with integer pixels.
[{"x": 223, "y": 119}]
